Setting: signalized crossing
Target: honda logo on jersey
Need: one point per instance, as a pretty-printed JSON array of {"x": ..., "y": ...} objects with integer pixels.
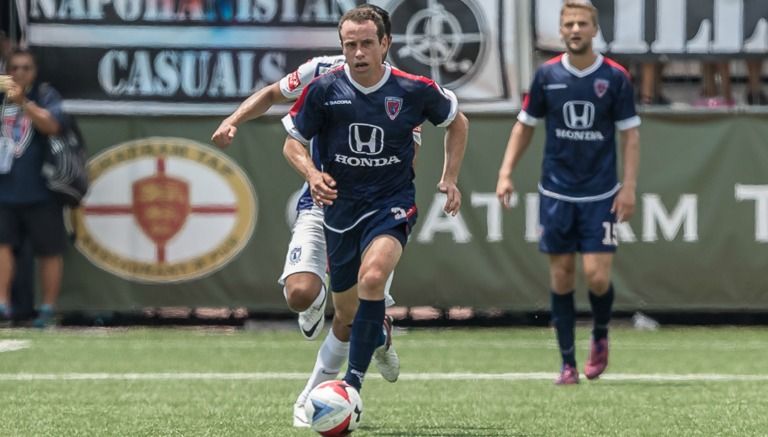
[
  {"x": 579, "y": 114},
  {"x": 366, "y": 139}
]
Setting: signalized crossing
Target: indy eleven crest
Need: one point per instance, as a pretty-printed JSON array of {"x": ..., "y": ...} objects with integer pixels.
[{"x": 164, "y": 210}]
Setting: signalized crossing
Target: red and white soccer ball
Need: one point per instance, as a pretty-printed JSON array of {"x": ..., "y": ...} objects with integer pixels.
[{"x": 334, "y": 409}]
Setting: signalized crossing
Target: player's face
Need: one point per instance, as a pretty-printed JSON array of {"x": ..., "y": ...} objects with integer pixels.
[
  {"x": 577, "y": 30},
  {"x": 22, "y": 68},
  {"x": 363, "y": 50}
]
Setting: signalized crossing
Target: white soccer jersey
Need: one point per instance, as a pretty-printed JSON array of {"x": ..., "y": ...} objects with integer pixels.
[{"x": 293, "y": 84}]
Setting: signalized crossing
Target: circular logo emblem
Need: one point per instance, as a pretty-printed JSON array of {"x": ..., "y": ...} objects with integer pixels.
[
  {"x": 444, "y": 40},
  {"x": 164, "y": 210}
]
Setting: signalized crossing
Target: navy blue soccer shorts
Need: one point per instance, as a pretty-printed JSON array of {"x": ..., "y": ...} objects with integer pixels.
[
  {"x": 569, "y": 227},
  {"x": 345, "y": 249}
]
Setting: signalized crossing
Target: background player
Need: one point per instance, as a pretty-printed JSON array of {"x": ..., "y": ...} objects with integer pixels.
[
  {"x": 360, "y": 118},
  {"x": 584, "y": 97},
  {"x": 306, "y": 259}
]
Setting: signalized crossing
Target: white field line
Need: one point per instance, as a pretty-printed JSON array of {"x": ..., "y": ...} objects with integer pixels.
[
  {"x": 13, "y": 345},
  {"x": 420, "y": 344},
  {"x": 264, "y": 376}
]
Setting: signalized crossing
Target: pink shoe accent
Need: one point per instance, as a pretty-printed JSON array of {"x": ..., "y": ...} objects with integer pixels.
[
  {"x": 568, "y": 375},
  {"x": 598, "y": 359}
]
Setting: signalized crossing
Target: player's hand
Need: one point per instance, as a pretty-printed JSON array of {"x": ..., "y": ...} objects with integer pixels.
[
  {"x": 505, "y": 188},
  {"x": 15, "y": 93},
  {"x": 322, "y": 187},
  {"x": 624, "y": 204},
  {"x": 224, "y": 134},
  {"x": 453, "y": 197}
]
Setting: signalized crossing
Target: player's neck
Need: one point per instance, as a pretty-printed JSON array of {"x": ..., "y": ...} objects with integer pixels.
[
  {"x": 370, "y": 77},
  {"x": 582, "y": 61}
]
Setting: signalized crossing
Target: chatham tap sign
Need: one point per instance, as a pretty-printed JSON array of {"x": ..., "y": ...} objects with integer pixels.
[
  {"x": 204, "y": 56},
  {"x": 164, "y": 210}
]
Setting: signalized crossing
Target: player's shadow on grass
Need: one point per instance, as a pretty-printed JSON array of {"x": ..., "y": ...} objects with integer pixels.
[{"x": 442, "y": 431}]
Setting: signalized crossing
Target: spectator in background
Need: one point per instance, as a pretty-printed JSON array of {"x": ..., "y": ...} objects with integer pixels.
[
  {"x": 30, "y": 113},
  {"x": 650, "y": 84},
  {"x": 712, "y": 75},
  {"x": 755, "y": 95},
  {"x": 6, "y": 47}
]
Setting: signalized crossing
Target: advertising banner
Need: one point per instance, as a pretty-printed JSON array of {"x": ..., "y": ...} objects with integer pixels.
[
  {"x": 205, "y": 56},
  {"x": 171, "y": 221}
]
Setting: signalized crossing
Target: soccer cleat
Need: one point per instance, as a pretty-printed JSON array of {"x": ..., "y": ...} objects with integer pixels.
[
  {"x": 44, "y": 317},
  {"x": 5, "y": 316},
  {"x": 312, "y": 319},
  {"x": 385, "y": 357},
  {"x": 598, "y": 359},
  {"x": 300, "y": 415},
  {"x": 568, "y": 375}
]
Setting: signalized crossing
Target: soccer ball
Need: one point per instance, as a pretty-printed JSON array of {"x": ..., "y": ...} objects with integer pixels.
[{"x": 334, "y": 409}]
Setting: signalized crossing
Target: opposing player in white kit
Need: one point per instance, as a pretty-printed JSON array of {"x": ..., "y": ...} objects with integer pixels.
[{"x": 306, "y": 261}]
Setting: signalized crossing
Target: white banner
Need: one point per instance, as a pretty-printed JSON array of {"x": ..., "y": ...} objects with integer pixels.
[{"x": 671, "y": 27}]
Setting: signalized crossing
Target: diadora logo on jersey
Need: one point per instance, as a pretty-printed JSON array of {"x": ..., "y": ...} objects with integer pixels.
[
  {"x": 555, "y": 86},
  {"x": 579, "y": 115},
  {"x": 338, "y": 102},
  {"x": 393, "y": 106},
  {"x": 366, "y": 139},
  {"x": 601, "y": 87},
  {"x": 458, "y": 27},
  {"x": 164, "y": 210}
]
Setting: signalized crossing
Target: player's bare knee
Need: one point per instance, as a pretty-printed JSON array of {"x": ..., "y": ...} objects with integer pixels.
[
  {"x": 598, "y": 280},
  {"x": 300, "y": 296},
  {"x": 562, "y": 280},
  {"x": 372, "y": 281}
]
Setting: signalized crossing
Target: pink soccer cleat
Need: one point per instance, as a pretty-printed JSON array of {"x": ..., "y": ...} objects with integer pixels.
[
  {"x": 568, "y": 375},
  {"x": 598, "y": 359}
]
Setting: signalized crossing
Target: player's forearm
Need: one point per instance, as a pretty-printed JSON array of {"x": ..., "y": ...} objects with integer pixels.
[
  {"x": 257, "y": 104},
  {"x": 41, "y": 118},
  {"x": 518, "y": 142},
  {"x": 630, "y": 142},
  {"x": 455, "y": 146},
  {"x": 298, "y": 157}
]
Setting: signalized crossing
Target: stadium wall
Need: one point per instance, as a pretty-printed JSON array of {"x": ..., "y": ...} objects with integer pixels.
[{"x": 698, "y": 241}]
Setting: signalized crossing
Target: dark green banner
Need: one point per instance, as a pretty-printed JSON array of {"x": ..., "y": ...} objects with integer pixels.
[{"x": 171, "y": 221}]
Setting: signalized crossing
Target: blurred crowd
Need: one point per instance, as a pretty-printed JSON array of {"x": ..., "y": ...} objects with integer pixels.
[{"x": 656, "y": 85}]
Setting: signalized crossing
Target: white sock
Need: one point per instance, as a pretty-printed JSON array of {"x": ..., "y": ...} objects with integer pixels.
[{"x": 332, "y": 355}]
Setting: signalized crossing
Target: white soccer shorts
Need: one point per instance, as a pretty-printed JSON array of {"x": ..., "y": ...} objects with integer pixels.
[{"x": 306, "y": 251}]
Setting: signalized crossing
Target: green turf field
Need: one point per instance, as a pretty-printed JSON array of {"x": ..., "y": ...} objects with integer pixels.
[{"x": 488, "y": 382}]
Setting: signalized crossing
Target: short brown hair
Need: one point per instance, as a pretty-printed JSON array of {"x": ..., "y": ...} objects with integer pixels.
[
  {"x": 361, "y": 15},
  {"x": 580, "y": 4}
]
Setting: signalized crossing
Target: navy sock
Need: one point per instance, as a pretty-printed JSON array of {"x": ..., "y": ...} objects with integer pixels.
[
  {"x": 601, "y": 311},
  {"x": 564, "y": 321},
  {"x": 366, "y": 337}
]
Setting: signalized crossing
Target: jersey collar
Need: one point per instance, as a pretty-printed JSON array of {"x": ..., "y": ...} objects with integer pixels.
[
  {"x": 369, "y": 90},
  {"x": 581, "y": 73}
]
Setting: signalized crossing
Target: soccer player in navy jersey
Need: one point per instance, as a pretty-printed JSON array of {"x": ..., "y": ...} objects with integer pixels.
[
  {"x": 360, "y": 118},
  {"x": 585, "y": 99},
  {"x": 306, "y": 260}
]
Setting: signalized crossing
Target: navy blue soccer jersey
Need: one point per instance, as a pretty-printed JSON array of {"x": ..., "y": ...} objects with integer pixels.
[
  {"x": 583, "y": 109},
  {"x": 363, "y": 136}
]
